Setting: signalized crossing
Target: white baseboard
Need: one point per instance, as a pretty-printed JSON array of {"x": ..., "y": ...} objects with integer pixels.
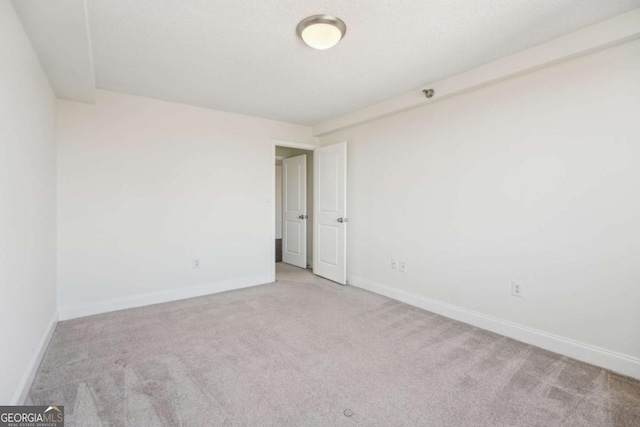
[
  {"x": 620, "y": 363},
  {"x": 115, "y": 304},
  {"x": 32, "y": 369}
]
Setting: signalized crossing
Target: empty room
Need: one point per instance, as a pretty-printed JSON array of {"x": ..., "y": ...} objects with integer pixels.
[{"x": 320, "y": 213}]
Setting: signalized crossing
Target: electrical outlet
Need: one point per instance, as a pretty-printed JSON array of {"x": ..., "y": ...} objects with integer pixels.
[
  {"x": 196, "y": 263},
  {"x": 394, "y": 264},
  {"x": 403, "y": 267},
  {"x": 517, "y": 289}
]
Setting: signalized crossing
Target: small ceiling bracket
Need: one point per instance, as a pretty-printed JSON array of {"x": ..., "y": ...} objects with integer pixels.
[{"x": 428, "y": 93}]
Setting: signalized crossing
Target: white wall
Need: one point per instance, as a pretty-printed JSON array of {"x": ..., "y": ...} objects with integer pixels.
[
  {"x": 535, "y": 179},
  {"x": 145, "y": 186},
  {"x": 27, "y": 208},
  {"x": 278, "y": 201}
]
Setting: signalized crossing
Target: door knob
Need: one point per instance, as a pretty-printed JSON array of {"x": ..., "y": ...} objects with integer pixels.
[
  {"x": 303, "y": 217},
  {"x": 342, "y": 220}
]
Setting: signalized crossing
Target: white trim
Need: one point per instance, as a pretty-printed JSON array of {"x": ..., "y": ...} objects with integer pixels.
[
  {"x": 272, "y": 244},
  {"x": 293, "y": 144},
  {"x": 32, "y": 369},
  {"x": 612, "y": 32},
  {"x": 617, "y": 362},
  {"x": 123, "y": 303}
]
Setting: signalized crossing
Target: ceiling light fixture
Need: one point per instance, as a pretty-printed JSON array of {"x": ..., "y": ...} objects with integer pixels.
[{"x": 321, "y": 31}]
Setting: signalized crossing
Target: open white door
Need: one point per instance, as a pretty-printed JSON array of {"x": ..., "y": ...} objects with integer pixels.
[
  {"x": 330, "y": 212},
  {"x": 294, "y": 212}
]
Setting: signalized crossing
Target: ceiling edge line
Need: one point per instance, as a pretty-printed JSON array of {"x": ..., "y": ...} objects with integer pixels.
[
  {"x": 609, "y": 33},
  {"x": 90, "y": 48}
]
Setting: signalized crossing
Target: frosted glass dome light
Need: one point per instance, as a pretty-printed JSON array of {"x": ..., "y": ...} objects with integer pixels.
[{"x": 321, "y": 31}]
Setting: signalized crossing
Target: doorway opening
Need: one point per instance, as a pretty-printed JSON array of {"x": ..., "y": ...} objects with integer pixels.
[
  {"x": 309, "y": 221},
  {"x": 294, "y": 206}
]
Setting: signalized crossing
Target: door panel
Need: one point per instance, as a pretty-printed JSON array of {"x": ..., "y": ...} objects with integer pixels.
[
  {"x": 293, "y": 237},
  {"x": 329, "y": 236},
  {"x": 328, "y": 180},
  {"x": 292, "y": 187},
  {"x": 330, "y": 211},
  {"x": 294, "y": 232}
]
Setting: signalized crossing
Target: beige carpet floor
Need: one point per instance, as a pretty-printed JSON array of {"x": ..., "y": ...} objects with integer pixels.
[{"x": 307, "y": 352}]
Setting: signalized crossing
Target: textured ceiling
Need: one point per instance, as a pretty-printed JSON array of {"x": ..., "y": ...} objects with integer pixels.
[
  {"x": 244, "y": 56},
  {"x": 59, "y": 34}
]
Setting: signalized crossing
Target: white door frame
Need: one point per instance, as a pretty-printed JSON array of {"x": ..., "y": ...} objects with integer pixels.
[{"x": 272, "y": 242}]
